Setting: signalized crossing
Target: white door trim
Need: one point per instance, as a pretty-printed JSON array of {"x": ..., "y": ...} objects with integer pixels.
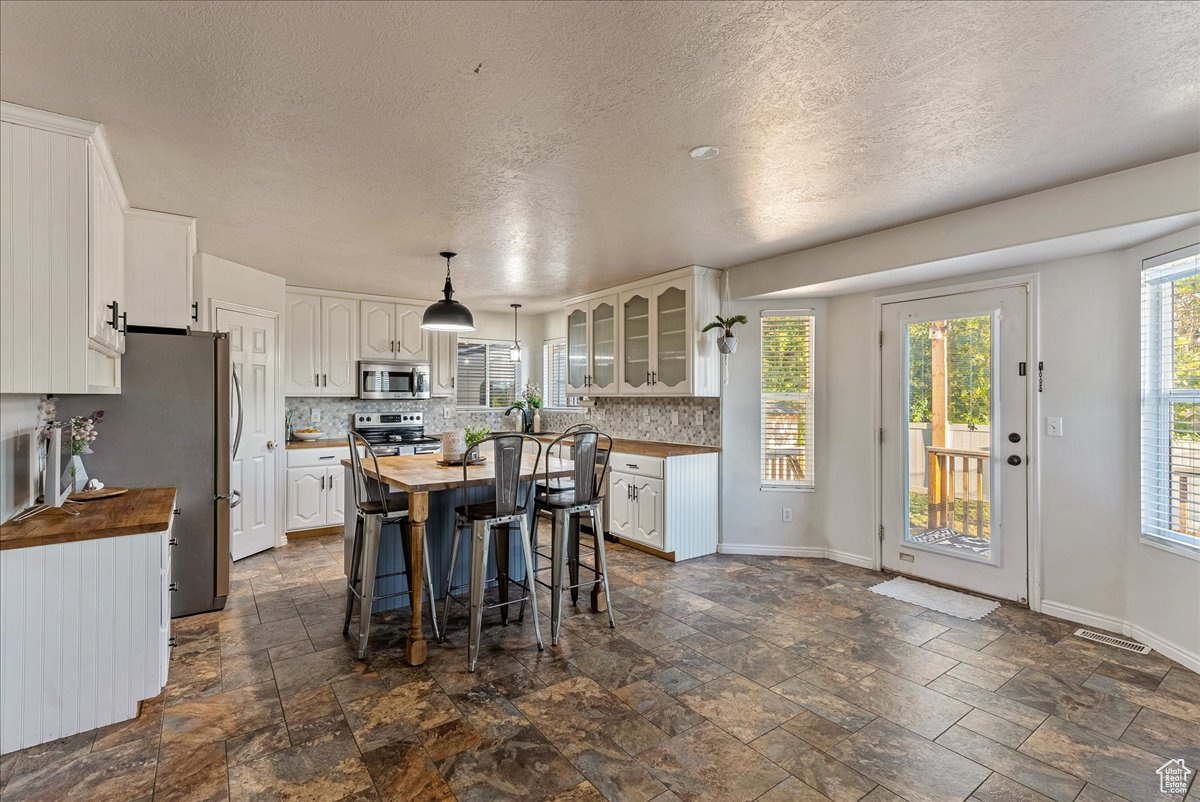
[
  {"x": 1033, "y": 410},
  {"x": 280, "y": 436}
]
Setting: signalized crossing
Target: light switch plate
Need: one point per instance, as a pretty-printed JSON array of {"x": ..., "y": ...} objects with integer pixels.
[
  {"x": 674, "y": 417},
  {"x": 447, "y": 413},
  {"x": 314, "y": 414},
  {"x": 646, "y": 414},
  {"x": 1054, "y": 427},
  {"x": 699, "y": 418}
]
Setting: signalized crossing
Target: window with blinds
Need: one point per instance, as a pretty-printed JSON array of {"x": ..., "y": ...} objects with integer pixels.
[
  {"x": 1171, "y": 399},
  {"x": 487, "y": 376},
  {"x": 554, "y": 374},
  {"x": 786, "y": 389}
]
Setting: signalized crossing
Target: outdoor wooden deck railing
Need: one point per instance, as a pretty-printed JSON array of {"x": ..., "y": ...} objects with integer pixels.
[{"x": 968, "y": 464}]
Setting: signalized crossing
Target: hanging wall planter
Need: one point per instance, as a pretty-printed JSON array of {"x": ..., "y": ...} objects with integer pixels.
[{"x": 727, "y": 342}]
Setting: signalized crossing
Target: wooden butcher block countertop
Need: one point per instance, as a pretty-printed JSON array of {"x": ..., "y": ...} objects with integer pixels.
[
  {"x": 327, "y": 442},
  {"x": 647, "y": 448},
  {"x": 141, "y": 510}
]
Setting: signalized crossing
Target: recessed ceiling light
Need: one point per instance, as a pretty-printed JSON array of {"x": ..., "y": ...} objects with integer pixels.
[{"x": 703, "y": 153}]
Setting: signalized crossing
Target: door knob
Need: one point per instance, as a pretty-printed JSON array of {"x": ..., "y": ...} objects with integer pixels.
[
  {"x": 1013, "y": 437},
  {"x": 270, "y": 445},
  {"x": 1014, "y": 460}
]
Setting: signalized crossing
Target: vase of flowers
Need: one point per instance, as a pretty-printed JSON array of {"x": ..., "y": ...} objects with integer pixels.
[
  {"x": 533, "y": 401},
  {"x": 82, "y": 431}
]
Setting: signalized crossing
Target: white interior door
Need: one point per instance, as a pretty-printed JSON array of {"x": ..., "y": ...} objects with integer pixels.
[
  {"x": 954, "y": 450},
  {"x": 252, "y": 354}
]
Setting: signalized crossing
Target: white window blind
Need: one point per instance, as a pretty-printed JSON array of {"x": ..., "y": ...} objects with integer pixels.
[
  {"x": 786, "y": 414},
  {"x": 487, "y": 376},
  {"x": 1171, "y": 399},
  {"x": 554, "y": 374}
]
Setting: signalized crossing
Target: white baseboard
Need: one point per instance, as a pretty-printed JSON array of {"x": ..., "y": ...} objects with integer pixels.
[
  {"x": 797, "y": 551},
  {"x": 1174, "y": 651},
  {"x": 1189, "y": 660},
  {"x": 1088, "y": 618}
]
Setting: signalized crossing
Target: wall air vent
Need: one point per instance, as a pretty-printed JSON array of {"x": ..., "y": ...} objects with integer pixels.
[{"x": 1109, "y": 640}]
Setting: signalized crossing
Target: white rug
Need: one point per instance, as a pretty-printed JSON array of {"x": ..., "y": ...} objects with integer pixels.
[{"x": 950, "y": 602}]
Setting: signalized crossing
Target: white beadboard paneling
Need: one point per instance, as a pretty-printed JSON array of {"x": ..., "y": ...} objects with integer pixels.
[
  {"x": 81, "y": 635},
  {"x": 690, "y": 517}
]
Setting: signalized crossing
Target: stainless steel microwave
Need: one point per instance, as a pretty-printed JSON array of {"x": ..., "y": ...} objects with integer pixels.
[{"x": 393, "y": 380}]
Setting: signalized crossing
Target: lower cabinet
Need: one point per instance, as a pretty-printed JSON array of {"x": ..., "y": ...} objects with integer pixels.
[
  {"x": 316, "y": 487},
  {"x": 669, "y": 505}
]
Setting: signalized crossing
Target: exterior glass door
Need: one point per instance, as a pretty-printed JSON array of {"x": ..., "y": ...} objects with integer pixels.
[{"x": 954, "y": 448}]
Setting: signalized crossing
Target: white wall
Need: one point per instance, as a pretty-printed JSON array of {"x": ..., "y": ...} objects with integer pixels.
[
  {"x": 222, "y": 280},
  {"x": 1094, "y": 568},
  {"x": 752, "y": 518},
  {"x": 18, "y": 479}
]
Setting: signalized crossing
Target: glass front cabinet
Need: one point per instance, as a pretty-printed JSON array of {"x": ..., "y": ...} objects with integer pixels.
[{"x": 645, "y": 338}]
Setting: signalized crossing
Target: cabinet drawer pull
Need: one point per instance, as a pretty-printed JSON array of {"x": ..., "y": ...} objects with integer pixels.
[
  {"x": 632, "y": 465},
  {"x": 328, "y": 456}
]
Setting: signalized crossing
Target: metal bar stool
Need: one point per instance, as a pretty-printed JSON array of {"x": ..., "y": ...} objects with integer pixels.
[
  {"x": 503, "y": 510},
  {"x": 590, "y": 454},
  {"x": 375, "y": 508},
  {"x": 556, "y": 449}
]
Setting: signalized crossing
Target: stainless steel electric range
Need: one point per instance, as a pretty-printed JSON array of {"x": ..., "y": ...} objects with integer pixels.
[{"x": 396, "y": 433}]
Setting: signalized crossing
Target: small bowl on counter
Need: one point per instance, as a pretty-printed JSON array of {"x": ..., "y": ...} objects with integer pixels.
[{"x": 308, "y": 436}]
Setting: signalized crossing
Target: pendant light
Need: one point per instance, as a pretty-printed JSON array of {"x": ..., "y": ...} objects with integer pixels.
[
  {"x": 448, "y": 314},
  {"x": 514, "y": 353}
]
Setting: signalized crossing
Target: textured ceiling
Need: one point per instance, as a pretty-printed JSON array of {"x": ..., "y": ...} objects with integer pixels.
[{"x": 344, "y": 145}]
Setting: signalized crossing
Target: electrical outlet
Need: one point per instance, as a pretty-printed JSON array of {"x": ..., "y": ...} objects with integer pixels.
[
  {"x": 646, "y": 414},
  {"x": 447, "y": 413},
  {"x": 674, "y": 417},
  {"x": 314, "y": 414},
  {"x": 1054, "y": 427},
  {"x": 699, "y": 418},
  {"x": 787, "y": 515}
]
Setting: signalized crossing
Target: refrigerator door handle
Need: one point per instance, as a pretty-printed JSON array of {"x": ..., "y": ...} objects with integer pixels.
[{"x": 237, "y": 437}]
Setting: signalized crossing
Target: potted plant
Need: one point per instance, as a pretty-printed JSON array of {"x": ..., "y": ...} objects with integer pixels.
[
  {"x": 533, "y": 401},
  {"x": 726, "y": 343}
]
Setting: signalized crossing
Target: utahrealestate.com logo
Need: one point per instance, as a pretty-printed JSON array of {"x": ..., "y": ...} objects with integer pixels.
[{"x": 1173, "y": 777}]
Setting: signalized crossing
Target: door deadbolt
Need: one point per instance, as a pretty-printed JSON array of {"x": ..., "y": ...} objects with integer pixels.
[{"x": 1013, "y": 437}]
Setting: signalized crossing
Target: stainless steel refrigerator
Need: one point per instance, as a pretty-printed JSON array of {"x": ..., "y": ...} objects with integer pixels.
[{"x": 171, "y": 426}]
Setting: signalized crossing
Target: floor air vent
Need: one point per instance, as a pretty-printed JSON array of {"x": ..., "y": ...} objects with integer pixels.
[{"x": 1109, "y": 640}]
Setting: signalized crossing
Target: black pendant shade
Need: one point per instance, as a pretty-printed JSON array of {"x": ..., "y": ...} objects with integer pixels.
[{"x": 448, "y": 314}]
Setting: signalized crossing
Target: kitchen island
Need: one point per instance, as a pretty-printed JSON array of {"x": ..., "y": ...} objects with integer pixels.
[
  {"x": 433, "y": 492},
  {"x": 85, "y": 616}
]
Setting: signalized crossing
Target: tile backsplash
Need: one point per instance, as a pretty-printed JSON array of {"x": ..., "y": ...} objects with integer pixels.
[{"x": 667, "y": 419}]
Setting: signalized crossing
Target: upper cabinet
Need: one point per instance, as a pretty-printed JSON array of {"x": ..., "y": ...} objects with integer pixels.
[
  {"x": 158, "y": 269},
  {"x": 392, "y": 331},
  {"x": 62, "y": 242},
  {"x": 321, "y": 353},
  {"x": 443, "y": 364},
  {"x": 644, "y": 338}
]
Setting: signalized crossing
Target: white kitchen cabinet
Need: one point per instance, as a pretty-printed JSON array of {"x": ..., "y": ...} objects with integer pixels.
[
  {"x": 316, "y": 487},
  {"x": 666, "y": 504},
  {"x": 592, "y": 347},
  {"x": 339, "y": 355},
  {"x": 61, "y": 256},
  {"x": 158, "y": 269},
  {"x": 107, "y": 319},
  {"x": 645, "y": 338},
  {"x": 443, "y": 363},
  {"x": 392, "y": 331},
  {"x": 321, "y": 351},
  {"x": 307, "y": 497}
]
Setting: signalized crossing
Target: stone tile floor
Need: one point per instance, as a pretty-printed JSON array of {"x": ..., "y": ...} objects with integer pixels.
[{"x": 727, "y": 678}]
